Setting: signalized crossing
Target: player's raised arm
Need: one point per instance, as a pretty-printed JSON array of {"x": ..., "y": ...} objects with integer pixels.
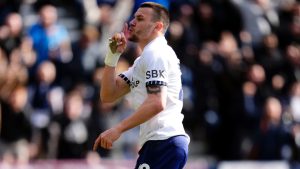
[{"x": 113, "y": 87}]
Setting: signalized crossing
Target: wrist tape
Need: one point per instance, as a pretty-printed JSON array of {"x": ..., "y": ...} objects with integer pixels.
[{"x": 111, "y": 59}]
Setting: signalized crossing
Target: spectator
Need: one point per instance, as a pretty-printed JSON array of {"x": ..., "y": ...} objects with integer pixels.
[
  {"x": 290, "y": 30},
  {"x": 14, "y": 73},
  {"x": 273, "y": 141},
  {"x": 182, "y": 32},
  {"x": 294, "y": 111},
  {"x": 28, "y": 54},
  {"x": 3, "y": 68},
  {"x": 206, "y": 19},
  {"x": 73, "y": 132},
  {"x": 39, "y": 94},
  {"x": 250, "y": 109},
  {"x": 50, "y": 40},
  {"x": 246, "y": 47},
  {"x": 41, "y": 113},
  {"x": 272, "y": 58},
  {"x": 11, "y": 33},
  {"x": 16, "y": 130},
  {"x": 293, "y": 66},
  {"x": 257, "y": 74},
  {"x": 295, "y": 101},
  {"x": 89, "y": 44},
  {"x": 260, "y": 18}
]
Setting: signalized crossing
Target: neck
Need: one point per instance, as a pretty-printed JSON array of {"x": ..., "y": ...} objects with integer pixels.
[{"x": 144, "y": 43}]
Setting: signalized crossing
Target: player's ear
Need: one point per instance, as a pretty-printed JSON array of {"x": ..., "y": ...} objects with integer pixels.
[{"x": 159, "y": 26}]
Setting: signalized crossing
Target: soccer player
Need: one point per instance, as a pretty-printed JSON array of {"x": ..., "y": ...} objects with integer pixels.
[{"x": 154, "y": 81}]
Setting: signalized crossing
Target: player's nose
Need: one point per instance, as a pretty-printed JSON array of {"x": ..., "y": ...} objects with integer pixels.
[{"x": 132, "y": 23}]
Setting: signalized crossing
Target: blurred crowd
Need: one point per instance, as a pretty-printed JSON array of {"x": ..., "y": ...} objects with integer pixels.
[{"x": 240, "y": 61}]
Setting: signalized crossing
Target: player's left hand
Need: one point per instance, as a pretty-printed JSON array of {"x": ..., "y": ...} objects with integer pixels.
[{"x": 107, "y": 138}]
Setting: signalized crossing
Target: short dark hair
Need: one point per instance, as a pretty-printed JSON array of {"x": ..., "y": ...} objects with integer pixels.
[{"x": 160, "y": 13}]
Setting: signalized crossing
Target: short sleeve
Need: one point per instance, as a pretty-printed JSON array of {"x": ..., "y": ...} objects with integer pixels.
[
  {"x": 156, "y": 68},
  {"x": 126, "y": 76}
]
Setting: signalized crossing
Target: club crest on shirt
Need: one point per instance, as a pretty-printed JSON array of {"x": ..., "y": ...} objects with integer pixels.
[
  {"x": 134, "y": 83},
  {"x": 155, "y": 74}
]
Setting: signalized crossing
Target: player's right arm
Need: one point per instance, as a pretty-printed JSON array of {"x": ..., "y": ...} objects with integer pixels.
[{"x": 112, "y": 86}]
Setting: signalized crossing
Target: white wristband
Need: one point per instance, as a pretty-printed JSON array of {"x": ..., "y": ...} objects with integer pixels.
[{"x": 111, "y": 59}]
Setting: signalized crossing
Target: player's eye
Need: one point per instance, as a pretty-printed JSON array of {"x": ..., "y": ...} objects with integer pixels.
[{"x": 139, "y": 18}]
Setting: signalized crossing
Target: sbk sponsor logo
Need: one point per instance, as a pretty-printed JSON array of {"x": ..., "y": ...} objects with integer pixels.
[{"x": 155, "y": 74}]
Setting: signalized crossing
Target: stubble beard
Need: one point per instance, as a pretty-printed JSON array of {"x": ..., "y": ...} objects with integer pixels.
[{"x": 133, "y": 38}]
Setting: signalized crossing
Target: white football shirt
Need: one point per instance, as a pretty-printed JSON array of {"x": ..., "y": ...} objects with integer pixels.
[{"x": 159, "y": 65}]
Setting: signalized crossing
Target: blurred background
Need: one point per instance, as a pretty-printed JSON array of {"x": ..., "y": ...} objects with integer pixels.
[{"x": 240, "y": 61}]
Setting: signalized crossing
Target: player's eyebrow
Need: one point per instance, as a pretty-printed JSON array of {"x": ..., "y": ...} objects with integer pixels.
[{"x": 139, "y": 16}]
